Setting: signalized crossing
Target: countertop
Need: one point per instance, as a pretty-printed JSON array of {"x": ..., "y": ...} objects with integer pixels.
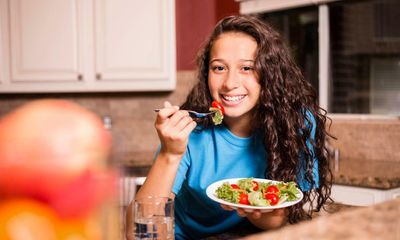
[
  {"x": 379, "y": 221},
  {"x": 369, "y": 182},
  {"x": 356, "y": 181},
  {"x": 247, "y": 230}
]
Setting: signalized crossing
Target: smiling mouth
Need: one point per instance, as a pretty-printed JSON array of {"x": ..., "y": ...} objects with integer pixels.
[{"x": 233, "y": 99}]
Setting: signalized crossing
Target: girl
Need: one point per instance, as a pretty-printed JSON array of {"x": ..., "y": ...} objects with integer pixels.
[{"x": 272, "y": 128}]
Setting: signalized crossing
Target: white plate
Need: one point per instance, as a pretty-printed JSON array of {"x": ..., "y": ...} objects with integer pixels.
[{"x": 210, "y": 191}]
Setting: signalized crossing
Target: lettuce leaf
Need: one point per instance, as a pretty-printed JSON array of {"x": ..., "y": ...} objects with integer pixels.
[
  {"x": 226, "y": 193},
  {"x": 257, "y": 199},
  {"x": 217, "y": 117}
]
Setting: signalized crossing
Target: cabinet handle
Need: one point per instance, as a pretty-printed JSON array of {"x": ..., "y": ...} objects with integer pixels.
[
  {"x": 80, "y": 77},
  {"x": 98, "y": 76}
]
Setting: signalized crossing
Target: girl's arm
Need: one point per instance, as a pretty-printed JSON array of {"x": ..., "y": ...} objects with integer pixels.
[
  {"x": 161, "y": 177},
  {"x": 173, "y": 128}
]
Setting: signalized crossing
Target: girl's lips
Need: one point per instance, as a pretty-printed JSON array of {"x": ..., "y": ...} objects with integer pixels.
[{"x": 232, "y": 100}]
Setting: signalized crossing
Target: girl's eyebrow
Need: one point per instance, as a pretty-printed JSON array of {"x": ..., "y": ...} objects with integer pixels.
[
  {"x": 216, "y": 60},
  {"x": 247, "y": 60},
  {"x": 221, "y": 60}
]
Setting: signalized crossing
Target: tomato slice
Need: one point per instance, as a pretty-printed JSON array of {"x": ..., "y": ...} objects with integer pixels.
[
  {"x": 218, "y": 105},
  {"x": 255, "y": 185},
  {"x": 235, "y": 186},
  {"x": 273, "y": 189},
  {"x": 244, "y": 199},
  {"x": 272, "y": 198}
]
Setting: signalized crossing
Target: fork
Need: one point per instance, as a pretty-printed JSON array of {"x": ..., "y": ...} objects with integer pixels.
[{"x": 193, "y": 114}]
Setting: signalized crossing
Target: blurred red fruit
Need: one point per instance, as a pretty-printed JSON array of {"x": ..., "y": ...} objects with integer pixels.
[{"x": 55, "y": 151}]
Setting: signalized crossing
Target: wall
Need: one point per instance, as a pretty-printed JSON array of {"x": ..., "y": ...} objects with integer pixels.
[
  {"x": 134, "y": 137},
  {"x": 194, "y": 21},
  {"x": 369, "y": 151}
]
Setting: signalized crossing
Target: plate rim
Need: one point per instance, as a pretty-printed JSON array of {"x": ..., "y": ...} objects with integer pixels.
[{"x": 213, "y": 186}]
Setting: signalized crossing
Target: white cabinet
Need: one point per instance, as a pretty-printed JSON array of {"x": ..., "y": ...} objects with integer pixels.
[
  {"x": 360, "y": 196},
  {"x": 87, "y": 45},
  {"x": 46, "y": 41}
]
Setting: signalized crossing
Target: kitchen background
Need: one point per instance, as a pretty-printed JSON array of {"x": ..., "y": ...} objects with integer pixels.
[{"x": 368, "y": 144}]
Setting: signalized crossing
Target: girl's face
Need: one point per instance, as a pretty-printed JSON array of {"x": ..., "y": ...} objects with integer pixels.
[{"x": 232, "y": 79}]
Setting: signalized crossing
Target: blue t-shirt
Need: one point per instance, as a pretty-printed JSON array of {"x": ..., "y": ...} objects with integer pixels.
[{"x": 214, "y": 154}]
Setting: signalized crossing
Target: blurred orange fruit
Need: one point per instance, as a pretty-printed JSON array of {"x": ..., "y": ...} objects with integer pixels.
[{"x": 26, "y": 219}]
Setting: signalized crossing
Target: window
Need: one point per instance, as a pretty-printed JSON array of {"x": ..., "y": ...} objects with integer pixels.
[
  {"x": 299, "y": 28},
  {"x": 363, "y": 52}
]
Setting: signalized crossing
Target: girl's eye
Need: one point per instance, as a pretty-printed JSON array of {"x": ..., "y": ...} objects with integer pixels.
[
  {"x": 218, "y": 68},
  {"x": 247, "y": 68}
]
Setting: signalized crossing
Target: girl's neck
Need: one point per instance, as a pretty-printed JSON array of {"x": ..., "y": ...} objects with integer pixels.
[{"x": 241, "y": 127}]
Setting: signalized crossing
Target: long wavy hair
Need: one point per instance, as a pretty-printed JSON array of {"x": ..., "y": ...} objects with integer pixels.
[{"x": 282, "y": 114}]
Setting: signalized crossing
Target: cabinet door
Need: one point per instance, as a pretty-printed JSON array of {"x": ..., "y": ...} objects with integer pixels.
[
  {"x": 3, "y": 40},
  {"x": 135, "y": 44},
  {"x": 87, "y": 45},
  {"x": 45, "y": 41}
]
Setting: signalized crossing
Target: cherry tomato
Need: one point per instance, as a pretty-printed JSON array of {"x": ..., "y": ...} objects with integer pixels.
[
  {"x": 255, "y": 185},
  {"x": 273, "y": 189},
  {"x": 217, "y": 105},
  {"x": 244, "y": 199},
  {"x": 272, "y": 198},
  {"x": 235, "y": 186}
]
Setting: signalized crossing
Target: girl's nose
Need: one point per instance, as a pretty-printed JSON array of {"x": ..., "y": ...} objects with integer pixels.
[{"x": 232, "y": 80}]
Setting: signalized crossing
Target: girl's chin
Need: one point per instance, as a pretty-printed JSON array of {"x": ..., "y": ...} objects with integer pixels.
[{"x": 234, "y": 115}]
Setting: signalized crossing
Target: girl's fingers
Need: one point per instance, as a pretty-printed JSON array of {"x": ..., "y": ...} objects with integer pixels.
[
  {"x": 176, "y": 127},
  {"x": 177, "y": 119},
  {"x": 167, "y": 104},
  {"x": 256, "y": 214},
  {"x": 226, "y": 207},
  {"x": 241, "y": 212},
  {"x": 182, "y": 130},
  {"x": 189, "y": 128},
  {"x": 165, "y": 113},
  {"x": 183, "y": 123}
]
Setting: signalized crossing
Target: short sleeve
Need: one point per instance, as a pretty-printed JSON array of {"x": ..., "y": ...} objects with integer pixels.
[{"x": 303, "y": 183}]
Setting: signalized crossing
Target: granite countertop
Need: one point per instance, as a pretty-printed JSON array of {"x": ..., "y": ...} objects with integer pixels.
[
  {"x": 356, "y": 181},
  {"x": 379, "y": 221},
  {"x": 369, "y": 182},
  {"x": 242, "y": 231}
]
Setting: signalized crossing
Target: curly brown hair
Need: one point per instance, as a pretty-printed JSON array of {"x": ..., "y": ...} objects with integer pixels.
[{"x": 282, "y": 114}]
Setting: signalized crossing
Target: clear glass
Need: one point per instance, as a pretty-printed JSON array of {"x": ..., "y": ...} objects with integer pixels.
[{"x": 154, "y": 218}]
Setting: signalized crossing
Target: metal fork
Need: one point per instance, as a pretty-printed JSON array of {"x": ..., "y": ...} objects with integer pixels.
[{"x": 193, "y": 114}]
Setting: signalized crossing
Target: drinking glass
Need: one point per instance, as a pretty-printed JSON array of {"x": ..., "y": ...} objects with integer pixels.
[{"x": 154, "y": 218}]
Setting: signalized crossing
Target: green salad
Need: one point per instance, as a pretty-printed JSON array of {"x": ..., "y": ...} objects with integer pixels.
[
  {"x": 248, "y": 191},
  {"x": 218, "y": 111}
]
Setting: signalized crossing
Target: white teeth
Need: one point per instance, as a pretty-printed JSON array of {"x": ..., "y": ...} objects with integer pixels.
[{"x": 234, "y": 98}]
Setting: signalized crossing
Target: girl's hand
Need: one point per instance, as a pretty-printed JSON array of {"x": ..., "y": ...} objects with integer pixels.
[
  {"x": 256, "y": 214},
  {"x": 265, "y": 220},
  {"x": 173, "y": 128}
]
